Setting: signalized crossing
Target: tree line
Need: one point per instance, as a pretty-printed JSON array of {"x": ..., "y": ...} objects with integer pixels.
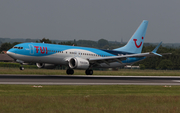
[
  {"x": 171, "y": 61},
  {"x": 101, "y": 44}
]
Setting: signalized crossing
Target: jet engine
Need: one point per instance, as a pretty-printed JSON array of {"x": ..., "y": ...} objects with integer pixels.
[
  {"x": 45, "y": 65},
  {"x": 78, "y": 63}
]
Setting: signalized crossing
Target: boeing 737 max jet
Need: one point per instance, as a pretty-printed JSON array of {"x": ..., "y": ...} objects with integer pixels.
[{"x": 83, "y": 57}]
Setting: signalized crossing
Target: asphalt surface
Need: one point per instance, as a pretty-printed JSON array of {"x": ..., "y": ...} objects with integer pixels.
[{"x": 88, "y": 80}]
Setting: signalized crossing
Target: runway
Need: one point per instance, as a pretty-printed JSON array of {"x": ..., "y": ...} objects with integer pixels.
[{"x": 88, "y": 80}]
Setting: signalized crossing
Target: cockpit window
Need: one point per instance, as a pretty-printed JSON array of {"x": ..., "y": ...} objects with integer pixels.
[{"x": 18, "y": 47}]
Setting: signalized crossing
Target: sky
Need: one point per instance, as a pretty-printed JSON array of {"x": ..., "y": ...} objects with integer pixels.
[{"x": 112, "y": 20}]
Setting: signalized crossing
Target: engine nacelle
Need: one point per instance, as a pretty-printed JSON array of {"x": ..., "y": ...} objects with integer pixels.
[
  {"x": 78, "y": 63},
  {"x": 45, "y": 65}
]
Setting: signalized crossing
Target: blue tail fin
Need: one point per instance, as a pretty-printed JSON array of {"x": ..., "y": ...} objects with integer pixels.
[{"x": 135, "y": 44}]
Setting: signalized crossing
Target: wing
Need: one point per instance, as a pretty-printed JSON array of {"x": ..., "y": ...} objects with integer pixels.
[{"x": 119, "y": 59}]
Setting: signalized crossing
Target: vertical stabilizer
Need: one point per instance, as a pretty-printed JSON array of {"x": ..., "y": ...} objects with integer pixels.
[{"x": 135, "y": 44}]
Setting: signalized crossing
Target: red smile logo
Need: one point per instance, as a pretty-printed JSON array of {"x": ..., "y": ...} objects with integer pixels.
[{"x": 138, "y": 46}]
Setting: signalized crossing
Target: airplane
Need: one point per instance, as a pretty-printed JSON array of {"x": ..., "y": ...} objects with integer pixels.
[{"x": 75, "y": 57}]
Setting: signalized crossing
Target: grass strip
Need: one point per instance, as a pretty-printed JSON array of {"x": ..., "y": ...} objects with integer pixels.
[
  {"x": 122, "y": 72},
  {"x": 98, "y": 99}
]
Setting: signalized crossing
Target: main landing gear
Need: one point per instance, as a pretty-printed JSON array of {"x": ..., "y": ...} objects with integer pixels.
[
  {"x": 71, "y": 71},
  {"x": 89, "y": 72}
]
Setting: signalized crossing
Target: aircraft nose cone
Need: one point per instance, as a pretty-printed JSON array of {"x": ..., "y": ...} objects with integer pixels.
[{"x": 9, "y": 53}]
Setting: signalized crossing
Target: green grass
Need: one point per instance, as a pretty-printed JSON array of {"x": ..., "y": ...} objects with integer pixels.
[
  {"x": 122, "y": 72},
  {"x": 81, "y": 99},
  {"x": 15, "y": 65}
]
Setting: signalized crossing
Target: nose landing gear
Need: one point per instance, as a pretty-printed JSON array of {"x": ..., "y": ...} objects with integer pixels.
[
  {"x": 21, "y": 67},
  {"x": 21, "y": 62}
]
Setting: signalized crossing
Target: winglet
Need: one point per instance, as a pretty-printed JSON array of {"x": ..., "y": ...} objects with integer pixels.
[{"x": 155, "y": 50}]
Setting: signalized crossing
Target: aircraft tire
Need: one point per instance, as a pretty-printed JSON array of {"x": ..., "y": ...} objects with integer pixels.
[
  {"x": 21, "y": 68},
  {"x": 89, "y": 72},
  {"x": 70, "y": 71}
]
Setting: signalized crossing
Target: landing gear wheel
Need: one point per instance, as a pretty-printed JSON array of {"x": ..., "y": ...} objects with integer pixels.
[
  {"x": 70, "y": 71},
  {"x": 89, "y": 72},
  {"x": 21, "y": 68}
]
